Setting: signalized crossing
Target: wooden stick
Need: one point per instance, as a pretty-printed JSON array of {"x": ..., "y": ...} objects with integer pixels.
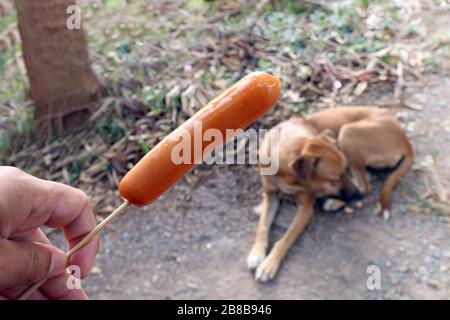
[{"x": 81, "y": 244}]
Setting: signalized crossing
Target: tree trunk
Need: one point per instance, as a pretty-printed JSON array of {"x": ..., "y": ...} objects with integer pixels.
[{"x": 62, "y": 83}]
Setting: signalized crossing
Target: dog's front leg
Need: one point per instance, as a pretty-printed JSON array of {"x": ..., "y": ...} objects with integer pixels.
[
  {"x": 268, "y": 209},
  {"x": 269, "y": 267}
]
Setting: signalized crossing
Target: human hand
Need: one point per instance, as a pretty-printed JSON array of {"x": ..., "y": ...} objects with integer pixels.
[{"x": 26, "y": 254}]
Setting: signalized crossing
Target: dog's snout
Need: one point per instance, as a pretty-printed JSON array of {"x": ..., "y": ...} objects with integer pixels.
[{"x": 349, "y": 191}]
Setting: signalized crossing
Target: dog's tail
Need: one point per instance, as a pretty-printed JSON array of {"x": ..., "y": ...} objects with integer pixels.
[{"x": 395, "y": 176}]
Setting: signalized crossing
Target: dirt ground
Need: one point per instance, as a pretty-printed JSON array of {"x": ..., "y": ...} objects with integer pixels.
[{"x": 193, "y": 243}]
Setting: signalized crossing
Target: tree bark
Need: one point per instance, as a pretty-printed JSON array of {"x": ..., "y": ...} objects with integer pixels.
[{"x": 62, "y": 83}]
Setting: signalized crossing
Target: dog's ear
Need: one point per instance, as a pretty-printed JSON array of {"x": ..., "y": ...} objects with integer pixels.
[
  {"x": 328, "y": 135},
  {"x": 303, "y": 167}
]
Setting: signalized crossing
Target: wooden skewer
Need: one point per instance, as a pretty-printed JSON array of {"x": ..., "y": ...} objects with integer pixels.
[{"x": 81, "y": 244}]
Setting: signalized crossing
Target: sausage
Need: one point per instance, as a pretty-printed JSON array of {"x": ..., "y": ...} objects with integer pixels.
[{"x": 236, "y": 108}]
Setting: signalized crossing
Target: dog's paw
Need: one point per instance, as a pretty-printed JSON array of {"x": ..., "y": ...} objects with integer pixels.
[
  {"x": 253, "y": 261},
  {"x": 255, "y": 257},
  {"x": 386, "y": 214},
  {"x": 331, "y": 205},
  {"x": 267, "y": 269},
  {"x": 359, "y": 204}
]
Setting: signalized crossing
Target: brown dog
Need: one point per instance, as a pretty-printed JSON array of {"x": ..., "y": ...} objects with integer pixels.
[{"x": 326, "y": 153}]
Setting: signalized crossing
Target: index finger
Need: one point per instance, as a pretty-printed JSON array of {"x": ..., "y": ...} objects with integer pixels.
[
  {"x": 71, "y": 210},
  {"x": 27, "y": 203}
]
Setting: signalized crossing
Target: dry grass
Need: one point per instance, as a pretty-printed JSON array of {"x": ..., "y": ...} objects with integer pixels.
[{"x": 162, "y": 62}]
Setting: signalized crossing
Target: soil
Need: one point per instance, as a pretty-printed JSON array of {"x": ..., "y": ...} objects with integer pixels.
[{"x": 192, "y": 243}]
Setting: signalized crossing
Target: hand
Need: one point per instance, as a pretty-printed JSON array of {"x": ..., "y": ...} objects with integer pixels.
[{"x": 26, "y": 254}]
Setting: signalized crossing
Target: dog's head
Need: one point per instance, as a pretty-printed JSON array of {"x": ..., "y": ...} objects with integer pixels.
[{"x": 321, "y": 166}]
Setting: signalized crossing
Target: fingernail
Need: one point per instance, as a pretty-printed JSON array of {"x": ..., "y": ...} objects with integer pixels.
[{"x": 58, "y": 265}]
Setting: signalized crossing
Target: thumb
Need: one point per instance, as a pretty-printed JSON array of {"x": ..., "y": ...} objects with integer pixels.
[{"x": 25, "y": 262}]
